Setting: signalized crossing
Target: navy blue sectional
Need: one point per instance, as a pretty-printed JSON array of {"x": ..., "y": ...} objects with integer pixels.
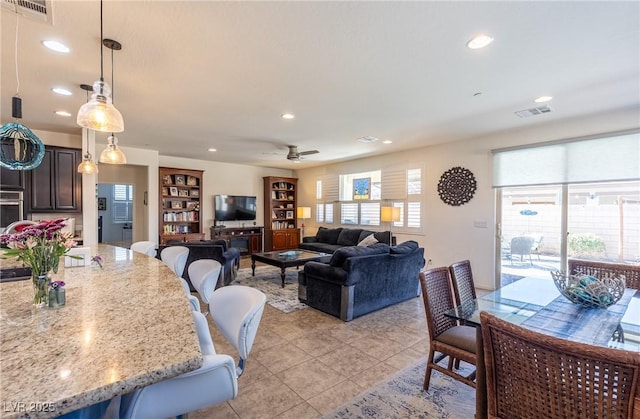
[
  {"x": 328, "y": 240},
  {"x": 361, "y": 279}
]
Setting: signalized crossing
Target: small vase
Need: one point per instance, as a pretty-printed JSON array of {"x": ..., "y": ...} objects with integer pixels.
[
  {"x": 41, "y": 289},
  {"x": 57, "y": 297}
]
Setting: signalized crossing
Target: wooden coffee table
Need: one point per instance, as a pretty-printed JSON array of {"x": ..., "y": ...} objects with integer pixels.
[{"x": 285, "y": 259}]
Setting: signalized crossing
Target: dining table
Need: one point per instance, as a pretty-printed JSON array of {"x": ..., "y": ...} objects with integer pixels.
[
  {"x": 126, "y": 323},
  {"x": 535, "y": 303}
]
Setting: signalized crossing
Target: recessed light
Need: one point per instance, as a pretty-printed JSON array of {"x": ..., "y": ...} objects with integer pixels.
[
  {"x": 287, "y": 116},
  {"x": 61, "y": 91},
  {"x": 543, "y": 99},
  {"x": 63, "y": 113},
  {"x": 56, "y": 46},
  {"x": 213, "y": 150},
  {"x": 387, "y": 142},
  {"x": 367, "y": 139},
  {"x": 479, "y": 41}
]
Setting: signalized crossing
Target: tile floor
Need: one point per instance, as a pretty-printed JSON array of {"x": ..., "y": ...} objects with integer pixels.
[{"x": 306, "y": 363}]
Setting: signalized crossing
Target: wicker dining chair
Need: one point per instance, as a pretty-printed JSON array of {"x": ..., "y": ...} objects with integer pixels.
[
  {"x": 462, "y": 279},
  {"x": 532, "y": 375},
  {"x": 601, "y": 269},
  {"x": 445, "y": 335}
]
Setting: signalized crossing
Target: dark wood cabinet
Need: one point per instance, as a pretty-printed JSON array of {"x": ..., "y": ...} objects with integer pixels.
[
  {"x": 246, "y": 239},
  {"x": 55, "y": 185},
  {"x": 281, "y": 207},
  {"x": 11, "y": 180}
]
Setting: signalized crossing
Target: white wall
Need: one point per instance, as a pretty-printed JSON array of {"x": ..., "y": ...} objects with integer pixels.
[{"x": 450, "y": 234}]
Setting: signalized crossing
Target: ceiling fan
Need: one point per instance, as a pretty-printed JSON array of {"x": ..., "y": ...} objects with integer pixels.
[{"x": 295, "y": 155}]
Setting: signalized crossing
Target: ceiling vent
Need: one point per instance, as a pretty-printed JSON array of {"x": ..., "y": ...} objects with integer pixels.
[
  {"x": 39, "y": 10},
  {"x": 367, "y": 139},
  {"x": 533, "y": 111}
]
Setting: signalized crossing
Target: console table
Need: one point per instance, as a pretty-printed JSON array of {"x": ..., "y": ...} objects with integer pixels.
[{"x": 246, "y": 239}]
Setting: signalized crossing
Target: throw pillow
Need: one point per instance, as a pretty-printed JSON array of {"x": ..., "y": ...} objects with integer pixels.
[
  {"x": 341, "y": 255},
  {"x": 370, "y": 239},
  {"x": 328, "y": 235},
  {"x": 349, "y": 236}
]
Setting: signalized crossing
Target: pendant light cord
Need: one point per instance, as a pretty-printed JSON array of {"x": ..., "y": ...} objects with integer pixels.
[
  {"x": 16, "y": 55},
  {"x": 101, "y": 48}
]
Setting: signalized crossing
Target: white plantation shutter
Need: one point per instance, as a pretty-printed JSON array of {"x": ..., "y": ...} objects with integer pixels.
[
  {"x": 394, "y": 183},
  {"x": 413, "y": 214},
  {"x": 414, "y": 181},
  {"x": 328, "y": 213},
  {"x": 370, "y": 213},
  {"x": 349, "y": 214},
  {"x": 330, "y": 188},
  {"x": 401, "y": 206},
  {"x": 320, "y": 213}
]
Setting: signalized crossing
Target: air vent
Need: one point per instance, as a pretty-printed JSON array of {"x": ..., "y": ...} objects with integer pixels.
[
  {"x": 367, "y": 139},
  {"x": 39, "y": 10},
  {"x": 533, "y": 111}
]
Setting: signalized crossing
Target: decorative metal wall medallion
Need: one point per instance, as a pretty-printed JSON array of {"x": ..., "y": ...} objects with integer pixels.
[{"x": 457, "y": 186}]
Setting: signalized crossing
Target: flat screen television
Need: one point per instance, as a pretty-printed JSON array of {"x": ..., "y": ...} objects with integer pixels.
[{"x": 234, "y": 207}]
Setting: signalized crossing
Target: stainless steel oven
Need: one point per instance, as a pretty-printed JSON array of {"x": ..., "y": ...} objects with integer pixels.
[{"x": 11, "y": 208}]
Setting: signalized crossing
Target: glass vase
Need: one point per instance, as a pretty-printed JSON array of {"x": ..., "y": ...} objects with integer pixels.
[{"x": 41, "y": 289}]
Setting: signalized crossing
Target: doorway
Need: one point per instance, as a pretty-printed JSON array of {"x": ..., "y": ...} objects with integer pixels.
[{"x": 115, "y": 214}]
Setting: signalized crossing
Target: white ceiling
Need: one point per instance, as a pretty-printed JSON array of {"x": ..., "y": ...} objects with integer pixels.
[{"x": 199, "y": 74}]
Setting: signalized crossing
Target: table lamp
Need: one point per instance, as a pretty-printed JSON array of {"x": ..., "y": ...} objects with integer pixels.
[
  {"x": 304, "y": 213},
  {"x": 389, "y": 215}
]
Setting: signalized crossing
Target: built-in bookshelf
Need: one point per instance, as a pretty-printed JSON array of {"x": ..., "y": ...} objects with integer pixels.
[
  {"x": 280, "y": 213},
  {"x": 180, "y": 199}
]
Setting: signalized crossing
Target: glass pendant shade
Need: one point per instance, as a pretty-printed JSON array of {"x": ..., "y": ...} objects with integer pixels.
[
  {"x": 20, "y": 149},
  {"x": 112, "y": 154},
  {"x": 99, "y": 114},
  {"x": 87, "y": 166}
]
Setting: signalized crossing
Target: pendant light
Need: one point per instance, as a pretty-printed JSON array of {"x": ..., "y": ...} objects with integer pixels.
[
  {"x": 112, "y": 154},
  {"x": 99, "y": 114},
  {"x": 87, "y": 166},
  {"x": 20, "y": 149}
]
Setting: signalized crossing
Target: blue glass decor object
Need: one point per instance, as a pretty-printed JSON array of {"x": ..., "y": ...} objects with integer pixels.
[{"x": 20, "y": 149}]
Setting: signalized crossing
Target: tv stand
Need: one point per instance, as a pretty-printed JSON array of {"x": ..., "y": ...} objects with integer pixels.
[{"x": 246, "y": 239}]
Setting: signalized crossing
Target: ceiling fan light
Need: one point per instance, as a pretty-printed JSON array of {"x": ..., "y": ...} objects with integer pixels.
[
  {"x": 112, "y": 154},
  {"x": 99, "y": 114}
]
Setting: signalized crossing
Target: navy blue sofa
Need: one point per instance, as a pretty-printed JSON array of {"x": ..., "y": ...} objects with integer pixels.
[
  {"x": 361, "y": 279},
  {"x": 328, "y": 240}
]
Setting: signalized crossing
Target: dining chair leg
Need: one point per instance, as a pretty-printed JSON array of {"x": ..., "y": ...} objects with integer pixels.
[
  {"x": 456, "y": 364},
  {"x": 427, "y": 375}
]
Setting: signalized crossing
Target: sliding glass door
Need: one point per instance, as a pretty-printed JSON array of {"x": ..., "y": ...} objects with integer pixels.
[{"x": 599, "y": 221}]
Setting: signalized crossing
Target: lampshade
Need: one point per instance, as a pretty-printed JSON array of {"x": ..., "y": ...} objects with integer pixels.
[
  {"x": 99, "y": 114},
  {"x": 112, "y": 154},
  {"x": 389, "y": 214},
  {"x": 304, "y": 212}
]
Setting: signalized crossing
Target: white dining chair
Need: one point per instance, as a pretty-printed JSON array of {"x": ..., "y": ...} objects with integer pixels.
[
  {"x": 236, "y": 310},
  {"x": 205, "y": 275},
  {"x": 146, "y": 247},
  {"x": 214, "y": 382},
  {"x": 175, "y": 257}
]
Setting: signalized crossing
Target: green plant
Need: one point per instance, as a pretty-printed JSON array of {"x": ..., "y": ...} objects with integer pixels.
[{"x": 585, "y": 244}]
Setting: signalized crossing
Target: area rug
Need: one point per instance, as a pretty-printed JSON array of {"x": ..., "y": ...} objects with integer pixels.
[
  {"x": 401, "y": 396},
  {"x": 267, "y": 280}
]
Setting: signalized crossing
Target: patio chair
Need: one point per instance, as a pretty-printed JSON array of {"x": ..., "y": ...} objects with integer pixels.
[
  {"x": 533, "y": 375},
  {"x": 522, "y": 245}
]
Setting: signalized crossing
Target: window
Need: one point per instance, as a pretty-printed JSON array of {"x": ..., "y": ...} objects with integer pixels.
[
  {"x": 349, "y": 213},
  {"x": 122, "y": 204},
  {"x": 361, "y": 196}
]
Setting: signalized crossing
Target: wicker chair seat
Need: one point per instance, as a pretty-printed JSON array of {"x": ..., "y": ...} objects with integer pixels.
[{"x": 462, "y": 337}]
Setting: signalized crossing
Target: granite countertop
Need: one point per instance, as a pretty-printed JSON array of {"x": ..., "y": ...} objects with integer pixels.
[{"x": 123, "y": 327}]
